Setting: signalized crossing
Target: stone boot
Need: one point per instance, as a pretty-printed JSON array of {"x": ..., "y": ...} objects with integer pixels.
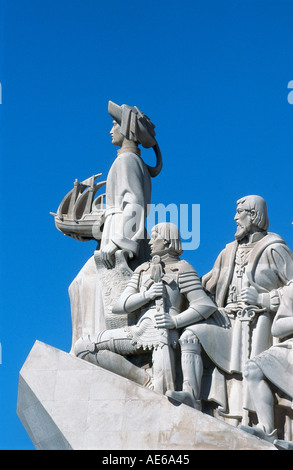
[
  {"x": 260, "y": 432},
  {"x": 192, "y": 372},
  {"x": 184, "y": 397}
]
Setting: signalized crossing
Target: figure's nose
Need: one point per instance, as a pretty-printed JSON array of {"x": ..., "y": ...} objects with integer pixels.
[{"x": 236, "y": 216}]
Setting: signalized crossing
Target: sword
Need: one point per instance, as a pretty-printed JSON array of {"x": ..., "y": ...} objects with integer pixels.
[
  {"x": 246, "y": 314},
  {"x": 166, "y": 356}
]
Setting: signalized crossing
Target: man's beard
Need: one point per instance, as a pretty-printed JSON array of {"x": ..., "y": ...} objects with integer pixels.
[{"x": 242, "y": 231}]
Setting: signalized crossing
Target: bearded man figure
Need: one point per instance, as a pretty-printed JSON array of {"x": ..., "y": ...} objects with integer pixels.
[{"x": 244, "y": 283}]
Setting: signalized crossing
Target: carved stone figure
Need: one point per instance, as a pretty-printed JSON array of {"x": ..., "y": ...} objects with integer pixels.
[
  {"x": 141, "y": 312},
  {"x": 128, "y": 187},
  {"x": 244, "y": 283},
  {"x": 128, "y": 194},
  {"x": 168, "y": 295},
  {"x": 272, "y": 370}
]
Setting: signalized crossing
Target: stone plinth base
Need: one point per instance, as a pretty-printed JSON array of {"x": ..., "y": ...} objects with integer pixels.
[{"x": 67, "y": 403}]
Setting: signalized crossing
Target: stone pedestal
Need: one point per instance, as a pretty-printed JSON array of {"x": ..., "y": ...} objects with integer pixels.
[{"x": 67, "y": 403}]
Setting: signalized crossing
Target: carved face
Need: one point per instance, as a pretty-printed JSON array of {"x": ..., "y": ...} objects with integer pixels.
[
  {"x": 117, "y": 137},
  {"x": 243, "y": 218},
  {"x": 157, "y": 243}
]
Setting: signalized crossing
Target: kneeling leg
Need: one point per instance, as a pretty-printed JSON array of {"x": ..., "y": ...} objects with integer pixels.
[
  {"x": 261, "y": 394},
  {"x": 192, "y": 369},
  {"x": 107, "y": 350}
]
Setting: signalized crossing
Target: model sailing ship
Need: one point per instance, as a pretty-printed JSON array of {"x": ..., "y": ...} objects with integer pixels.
[{"x": 80, "y": 215}]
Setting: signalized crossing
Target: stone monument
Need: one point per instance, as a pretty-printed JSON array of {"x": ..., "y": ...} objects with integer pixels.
[{"x": 162, "y": 359}]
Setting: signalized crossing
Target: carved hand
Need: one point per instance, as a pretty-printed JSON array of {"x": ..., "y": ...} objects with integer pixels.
[
  {"x": 250, "y": 296},
  {"x": 156, "y": 290},
  {"x": 107, "y": 254},
  {"x": 164, "y": 320}
]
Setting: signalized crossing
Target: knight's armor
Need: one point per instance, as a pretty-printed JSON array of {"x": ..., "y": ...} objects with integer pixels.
[
  {"x": 181, "y": 282},
  {"x": 184, "y": 300}
]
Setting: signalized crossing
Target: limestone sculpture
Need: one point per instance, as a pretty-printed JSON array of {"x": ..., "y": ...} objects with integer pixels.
[
  {"x": 141, "y": 312},
  {"x": 128, "y": 186},
  {"x": 169, "y": 296},
  {"x": 128, "y": 192},
  {"x": 245, "y": 283},
  {"x": 271, "y": 371}
]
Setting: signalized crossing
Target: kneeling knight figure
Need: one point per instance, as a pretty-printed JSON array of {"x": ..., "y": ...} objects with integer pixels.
[{"x": 169, "y": 296}]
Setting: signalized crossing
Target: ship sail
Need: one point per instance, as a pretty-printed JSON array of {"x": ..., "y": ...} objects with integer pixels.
[
  {"x": 84, "y": 202},
  {"x": 80, "y": 210},
  {"x": 90, "y": 181},
  {"x": 98, "y": 203},
  {"x": 64, "y": 205}
]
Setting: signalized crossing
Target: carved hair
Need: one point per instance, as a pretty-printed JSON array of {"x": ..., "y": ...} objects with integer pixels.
[
  {"x": 170, "y": 232},
  {"x": 257, "y": 204}
]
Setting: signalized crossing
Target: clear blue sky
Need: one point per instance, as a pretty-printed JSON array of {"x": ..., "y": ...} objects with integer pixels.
[{"x": 213, "y": 77}]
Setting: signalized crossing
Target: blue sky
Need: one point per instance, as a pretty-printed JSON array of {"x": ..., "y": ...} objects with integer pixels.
[{"x": 213, "y": 76}]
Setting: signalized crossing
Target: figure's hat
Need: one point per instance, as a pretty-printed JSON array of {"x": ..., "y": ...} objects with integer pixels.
[{"x": 136, "y": 126}]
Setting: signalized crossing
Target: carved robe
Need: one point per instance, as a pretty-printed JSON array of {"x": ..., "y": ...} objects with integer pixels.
[
  {"x": 128, "y": 187},
  {"x": 277, "y": 362},
  {"x": 269, "y": 267},
  {"x": 128, "y": 194}
]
